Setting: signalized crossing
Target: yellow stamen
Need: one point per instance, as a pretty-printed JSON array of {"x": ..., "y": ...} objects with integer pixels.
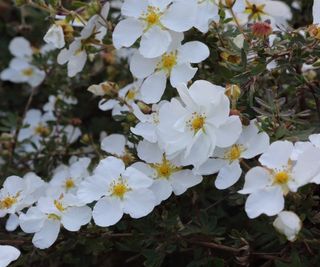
[
  {"x": 119, "y": 188},
  {"x": 7, "y": 202},
  {"x": 42, "y": 130},
  {"x": 27, "y": 72},
  {"x": 234, "y": 153},
  {"x": 69, "y": 183},
  {"x": 152, "y": 17},
  {"x": 255, "y": 11},
  {"x": 281, "y": 178},
  {"x": 197, "y": 122},
  {"x": 131, "y": 95},
  {"x": 164, "y": 169},
  {"x": 59, "y": 205},
  {"x": 168, "y": 61}
]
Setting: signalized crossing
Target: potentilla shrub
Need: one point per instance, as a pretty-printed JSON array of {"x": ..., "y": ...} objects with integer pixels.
[{"x": 160, "y": 133}]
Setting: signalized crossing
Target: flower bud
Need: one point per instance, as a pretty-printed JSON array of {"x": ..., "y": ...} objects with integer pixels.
[
  {"x": 261, "y": 29},
  {"x": 233, "y": 91},
  {"x": 288, "y": 224},
  {"x": 314, "y": 31}
]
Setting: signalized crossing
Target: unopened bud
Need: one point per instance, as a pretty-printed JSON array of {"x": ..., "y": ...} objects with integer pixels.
[
  {"x": 233, "y": 91},
  {"x": 314, "y": 31},
  {"x": 261, "y": 29}
]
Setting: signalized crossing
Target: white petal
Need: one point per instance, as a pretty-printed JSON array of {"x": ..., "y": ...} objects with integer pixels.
[
  {"x": 107, "y": 212},
  {"x": 47, "y": 235},
  {"x": 183, "y": 180},
  {"x": 193, "y": 52},
  {"x": 269, "y": 201},
  {"x": 162, "y": 190},
  {"x": 55, "y": 36},
  {"x": 134, "y": 8},
  {"x": 142, "y": 67},
  {"x": 315, "y": 138},
  {"x": 12, "y": 222},
  {"x": 110, "y": 168},
  {"x": 288, "y": 224},
  {"x": 211, "y": 166},
  {"x": 180, "y": 16},
  {"x": 316, "y": 11},
  {"x": 146, "y": 130},
  {"x": 32, "y": 221},
  {"x": 256, "y": 178},
  {"x": 139, "y": 203},
  {"x": 107, "y": 104},
  {"x": 114, "y": 144},
  {"x": 154, "y": 42},
  {"x": 75, "y": 217},
  {"x": 149, "y": 152},
  {"x": 8, "y": 254},
  {"x": 278, "y": 9},
  {"x": 136, "y": 178},
  {"x": 153, "y": 88},
  {"x": 92, "y": 188},
  {"x": 228, "y": 133},
  {"x": 277, "y": 155},
  {"x": 228, "y": 175},
  {"x": 76, "y": 63},
  {"x": 127, "y": 32},
  {"x": 20, "y": 47},
  {"x": 182, "y": 73}
]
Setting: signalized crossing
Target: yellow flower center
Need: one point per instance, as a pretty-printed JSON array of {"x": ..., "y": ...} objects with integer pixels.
[
  {"x": 165, "y": 168},
  {"x": 152, "y": 17},
  {"x": 59, "y": 205},
  {"x": 27, "y": 72},
  {"x": 69, "y": 183},
  {"x": 168, "y": 61},
  {"x": 281, "y": 177},
  {"x": 42, "y": 130},
  {"x": 255, "y": 11},
  {"x": 234, "y": 153},
  {"x": 131, "y": 95},
  {"x": 119, "y": 188},
  {"x": 53, "y": 216},
  {"x": 7, "y": 202},
  {"x": 197, "y": 122}
]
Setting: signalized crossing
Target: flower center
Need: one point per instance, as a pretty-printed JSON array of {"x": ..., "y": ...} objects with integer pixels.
[
  {"x": 59, "y": 205},
  {"x": 168, "y": 61},
  {"x": 165, "y": 168},
  {"x": 234, "y": 153},
  {"x": 69, "y": 183},
  {"x": 131, "y": 95},
  {"x": 197, "y": 122},
  {"x": 255, "y": 11},
  {"x": 27, "y": 72},
  {"x": 281, "y": 177},
  {"x": 7, "y": 202},
  {"x": 41, "y": 130},
  {"x": 152, "y": 17},
  {"x": 119, "y": 188}
]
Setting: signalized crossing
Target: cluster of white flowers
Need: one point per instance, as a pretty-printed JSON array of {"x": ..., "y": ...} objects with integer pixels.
[{"x": 183, "y": 139}]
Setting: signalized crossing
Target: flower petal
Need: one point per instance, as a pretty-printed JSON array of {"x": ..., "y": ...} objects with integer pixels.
[
  {"x": 228, "y": 175},
  {"x": 47, "y": 235},
  {"x": 107, "y": 211}
]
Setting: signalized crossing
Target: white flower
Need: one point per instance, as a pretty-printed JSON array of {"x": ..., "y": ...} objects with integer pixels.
[
  {"x": 194, "y": 127},
  {"x": 147, "y": 127},
  {"x": 117, "y": 191},
  {"x": 226, "y": 161},
  {"x": 152, "y": 21},
  {"x": 71, "y": 133},
  {"x": 91, "y": 35},
  {"x": 288, "y": 224},
  {"x": 45, "y": 219},
  {"x": 260, "y": 10},
  {"x": 268, "y": 185},
  {"x": 128, "y": 95},
  {"x": 316, "y": 11},
  {"x": 174, "y": 64},
  {"x": 8, "y": 254},
  {"x": 167, "y": 174},
  {"x": 50, "y": 106},
  {"x": 21, "y": 71},
  {"x": 18, "y": 193},
  {"x": 117, "y": 145},
  {"x": 68, "y": 178},
  {"x": 35, "y": 128},
  {"x": 55, "y": 36}
]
